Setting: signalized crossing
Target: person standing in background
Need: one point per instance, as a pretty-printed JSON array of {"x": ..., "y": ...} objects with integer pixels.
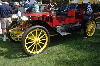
[
  {"x": 0, "y": 19},
  {"x": 5, "y": 12},
  {"x": 19, "y": 9},
  {"x": 98, "y": 14},
  {"x": 89, "y": 8},
  {"x": 27, "y": 7},
  {"x": 0, "y": 15},
  {"x": 0, "y": 2},
  {"x": 21, "y": 2},
  {"x": 36, "y": 7}
]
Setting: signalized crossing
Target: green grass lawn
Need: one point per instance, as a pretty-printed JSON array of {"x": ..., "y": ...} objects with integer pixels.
[
  {"x": 70, "y": 50},
  {"x": 98, "y": 21}
]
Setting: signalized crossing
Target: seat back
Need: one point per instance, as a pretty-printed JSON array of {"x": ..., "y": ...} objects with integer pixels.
[
  {"x": 63, "y": 10},
  {"x": 73, "y": 6}
]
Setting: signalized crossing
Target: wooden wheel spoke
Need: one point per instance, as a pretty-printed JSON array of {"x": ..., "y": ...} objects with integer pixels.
[
  {"x": 18, "y": 38},
  {"x": 33, "y": 47},
  {"x": 91, "y": 22},
  {"x": 29, "y": 42},
  {"x": 40, "y": 33},
  {"x": 42, "y": 39},
  {"x": 89, "y": 27},
  {"x": 92, "y": 25},
  {"x": 88, "y": 33},
  {"x": 32, "y": 34},
  {"x": 92, "y": 29},
  {"x": 41, "y": 42},
  {"x": 39, "y": 45},
  {"x": 14, "y": 37},
  {"x": 30, "y": 46},
  {"x": 21, "y": 33},
  {"x": 13, "y": 31},
  {"x": 13, "y": 28},
  {"x": 36, "y": 47},
  {"x": 36, "y": 33},
  {"x": 12, "y": 34},
  {"x": 42, "y": 36},
  {"x": 31, "y": 38}
]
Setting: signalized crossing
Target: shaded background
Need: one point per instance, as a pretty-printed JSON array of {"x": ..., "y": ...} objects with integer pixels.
[{"x": 95, "y": 7}]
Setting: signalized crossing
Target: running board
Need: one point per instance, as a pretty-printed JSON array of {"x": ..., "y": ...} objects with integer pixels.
[{"x": 64, "y": 33}]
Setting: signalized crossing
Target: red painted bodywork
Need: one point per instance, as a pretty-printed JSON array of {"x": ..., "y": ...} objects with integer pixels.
[
  {"x": 57, "y": 20},
  {"x": 37, "y": 14}
]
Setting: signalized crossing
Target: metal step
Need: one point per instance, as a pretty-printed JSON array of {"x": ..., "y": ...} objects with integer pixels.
[{"x": 64, "y": 33}]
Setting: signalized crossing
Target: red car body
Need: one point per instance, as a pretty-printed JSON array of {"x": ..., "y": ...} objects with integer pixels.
[{"x": 57, "y": 20}]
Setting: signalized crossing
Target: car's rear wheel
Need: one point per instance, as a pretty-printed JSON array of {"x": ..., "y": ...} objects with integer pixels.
[
  {"x": 35, "y": 40},
  {"x": 90, "y": 28}
]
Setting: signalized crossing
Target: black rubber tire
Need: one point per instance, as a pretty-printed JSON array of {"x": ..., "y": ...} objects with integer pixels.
[
  {"x": 8, "y": 34},
  {"x": 85, "y": 27},
  {"x": 27, "y": 32}
]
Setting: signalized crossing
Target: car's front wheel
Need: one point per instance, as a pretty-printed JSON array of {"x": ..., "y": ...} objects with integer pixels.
[{"x": 35, "y": 40}]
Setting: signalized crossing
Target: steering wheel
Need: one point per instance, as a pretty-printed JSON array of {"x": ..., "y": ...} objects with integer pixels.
[{"x": 53, "y": 5}]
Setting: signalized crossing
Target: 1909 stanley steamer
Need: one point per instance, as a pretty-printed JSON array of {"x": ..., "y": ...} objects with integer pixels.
[{"x": 33, "y": 29}]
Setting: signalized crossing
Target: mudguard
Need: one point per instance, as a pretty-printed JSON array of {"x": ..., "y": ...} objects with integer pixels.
[{"x": 86, "y": 18}]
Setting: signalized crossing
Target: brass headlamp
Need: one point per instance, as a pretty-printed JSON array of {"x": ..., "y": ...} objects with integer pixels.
[
  {"x": 23, "y": 20},
  {"x": 14, "y": 17}
]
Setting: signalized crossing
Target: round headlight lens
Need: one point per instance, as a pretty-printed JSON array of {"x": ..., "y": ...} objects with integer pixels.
[
  {"x": 24, "y": 18},
  {"x": 14, "y": 16}
]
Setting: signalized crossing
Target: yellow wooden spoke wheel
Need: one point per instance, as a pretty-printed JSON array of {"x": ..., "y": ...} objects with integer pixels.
[
  {"x": 90, "y": 28},
  {"x": 35, "y": 40},
  {"x": 14, "y": 32}
]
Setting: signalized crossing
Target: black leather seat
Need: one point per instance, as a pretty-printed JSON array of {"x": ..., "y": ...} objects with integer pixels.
[
  {"x": 72, "y": 6},
  {"x": 62, "y": 10}
]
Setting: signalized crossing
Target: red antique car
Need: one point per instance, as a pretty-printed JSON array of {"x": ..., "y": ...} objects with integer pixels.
[{"x": 33, "y": 30}]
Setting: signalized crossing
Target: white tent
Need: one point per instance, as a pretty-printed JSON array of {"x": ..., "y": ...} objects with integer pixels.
[
  {"x": 85, "y": 1},
  {"x": 32, "y": 2}
]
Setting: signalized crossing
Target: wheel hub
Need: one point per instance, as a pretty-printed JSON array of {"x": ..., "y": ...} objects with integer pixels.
[{"x": 37, "y": 41}]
